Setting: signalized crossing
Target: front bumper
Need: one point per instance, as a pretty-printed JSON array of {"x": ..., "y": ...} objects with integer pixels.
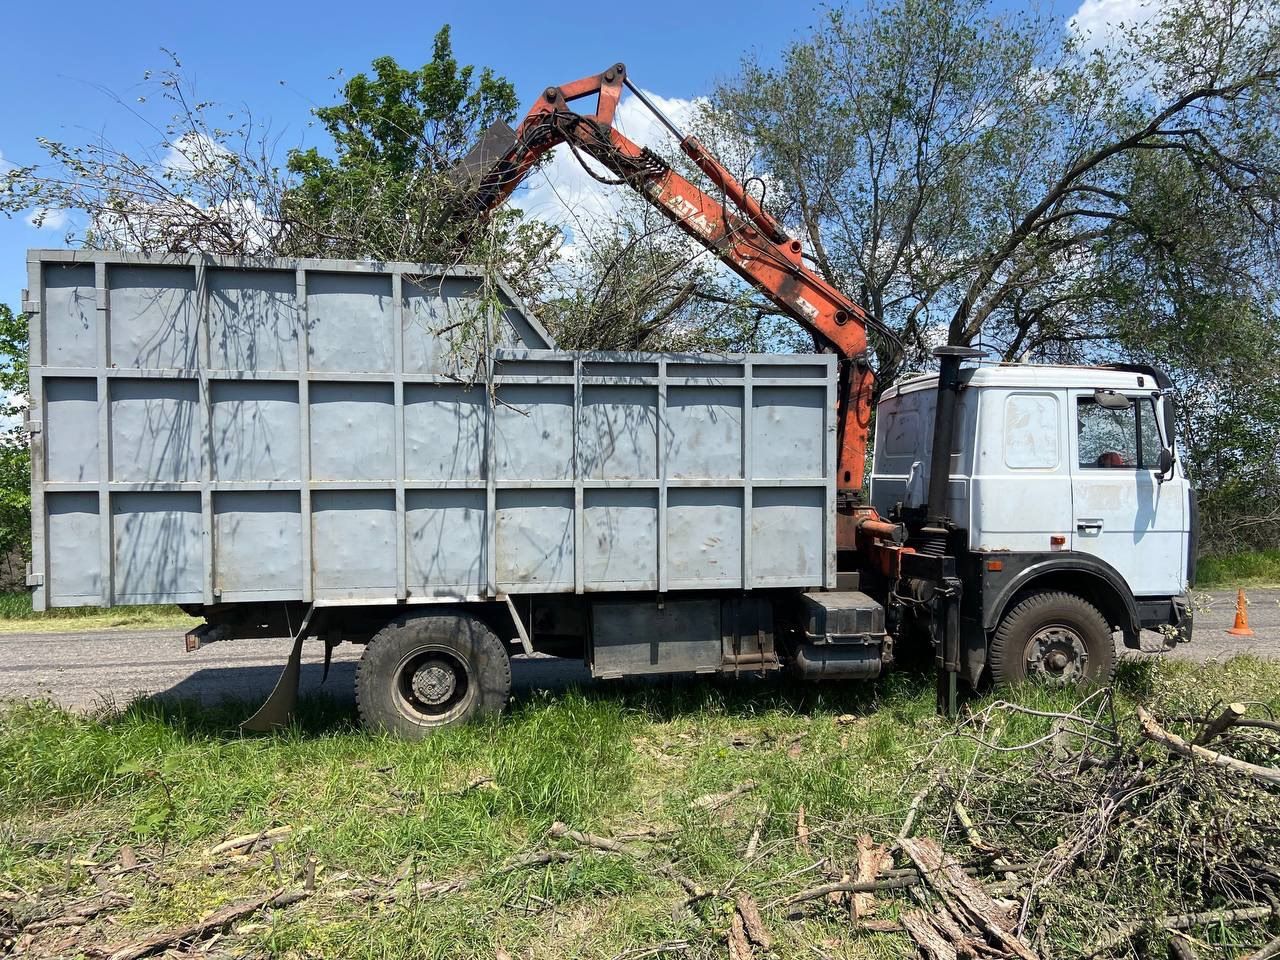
[{"x": 1173, "y": 619}]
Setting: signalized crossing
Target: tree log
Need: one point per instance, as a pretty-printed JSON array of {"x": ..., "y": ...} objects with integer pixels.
[
  {"x": 963, "y": 895},
  {"x": 1224, "y": 721},
  {"x": 1175, "y": 744},
  {"x": 1268, "y": 951}
]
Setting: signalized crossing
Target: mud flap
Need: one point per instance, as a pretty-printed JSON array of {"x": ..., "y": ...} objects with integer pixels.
[{"x": 277, "y": 710}]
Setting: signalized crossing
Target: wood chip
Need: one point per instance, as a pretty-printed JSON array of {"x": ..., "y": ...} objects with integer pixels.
[
  {"x": 236, "y": 844},
  {"x": 838, "y": 897},
  {"x": 802, "y": 829},
  {"x": 872, "y": 858},
  {"x": 715, "y": 801},
  {"x": 754, "y": 843},
  {"x": 881, "y": 926},
  {"x": 739, "y": 944},
  {"x": 128, "y": 859}
]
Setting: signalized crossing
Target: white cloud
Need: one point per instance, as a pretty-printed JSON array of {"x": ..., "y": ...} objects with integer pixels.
[
  {"x": 1100, "y": 23},
  {"x": 564, "y": 194},
  {"x": 194, "y": 153},
  {"x": 47, "y": 218}
]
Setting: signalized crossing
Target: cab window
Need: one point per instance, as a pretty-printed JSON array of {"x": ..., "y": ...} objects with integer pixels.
[{"x": 1125, "y": 439}]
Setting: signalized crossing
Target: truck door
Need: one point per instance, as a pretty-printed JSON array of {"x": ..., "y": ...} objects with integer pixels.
[{"x": 1122, "y": 513}]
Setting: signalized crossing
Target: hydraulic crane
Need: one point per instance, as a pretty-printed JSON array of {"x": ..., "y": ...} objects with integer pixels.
[{"x": 734, "y": 226}]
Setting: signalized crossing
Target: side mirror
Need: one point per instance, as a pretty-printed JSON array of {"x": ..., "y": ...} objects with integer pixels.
[
  {"x": 1110, "y": 400},
  {"x": 1166, "y": 464}
]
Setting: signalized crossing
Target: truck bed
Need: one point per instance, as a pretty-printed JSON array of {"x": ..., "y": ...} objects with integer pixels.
[{"x": 215, "y": 430}]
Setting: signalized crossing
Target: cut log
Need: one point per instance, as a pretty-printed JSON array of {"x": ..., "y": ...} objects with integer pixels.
[
  {"x": 919, "y": 926},
  {"x": 962, "y": 895},
  {"x": 1224, "y": 721}
]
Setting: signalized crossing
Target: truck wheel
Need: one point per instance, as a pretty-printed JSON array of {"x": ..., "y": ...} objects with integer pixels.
[
  {"x": 1055, "y": 638},
  {"x": 425, "y": 671}
]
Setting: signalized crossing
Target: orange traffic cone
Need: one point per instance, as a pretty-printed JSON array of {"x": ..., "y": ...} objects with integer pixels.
[{"x": 1241, "y": 628}]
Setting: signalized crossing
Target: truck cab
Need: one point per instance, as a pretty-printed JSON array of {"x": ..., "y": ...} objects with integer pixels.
[{"x": 1067, "y": 497}]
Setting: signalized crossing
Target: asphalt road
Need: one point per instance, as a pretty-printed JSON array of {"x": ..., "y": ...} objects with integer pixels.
[{"x": 90, "y": 668}]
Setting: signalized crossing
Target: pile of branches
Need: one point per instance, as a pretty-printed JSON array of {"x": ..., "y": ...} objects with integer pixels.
[
  {"x": 1047, "y": 834},
  {"x": 1094, "y": 836}
]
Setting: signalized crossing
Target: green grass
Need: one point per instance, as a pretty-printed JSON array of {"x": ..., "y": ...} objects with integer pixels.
[
  {"x": 16, "y": 616},
  {"x": 1244, "y": 569},
  {"x": 171, "y": 779}
]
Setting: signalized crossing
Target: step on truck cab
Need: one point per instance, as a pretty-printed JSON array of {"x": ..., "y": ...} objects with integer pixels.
[{"x": 1070, "y": 510}]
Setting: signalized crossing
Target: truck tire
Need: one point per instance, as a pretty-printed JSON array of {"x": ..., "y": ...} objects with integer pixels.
[
  {"x": 1052, "y": 637},
  {"x": 425, "y": 671}
]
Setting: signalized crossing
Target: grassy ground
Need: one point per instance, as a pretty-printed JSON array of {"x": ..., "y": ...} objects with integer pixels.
[
  {"x": 1250, "y": 568},
  {"x": 16, "y": 616},
  {"x": 165, "y": 782}
]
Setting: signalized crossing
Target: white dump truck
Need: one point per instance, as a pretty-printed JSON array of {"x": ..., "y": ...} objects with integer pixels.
[{"x": 291, "y": 448}]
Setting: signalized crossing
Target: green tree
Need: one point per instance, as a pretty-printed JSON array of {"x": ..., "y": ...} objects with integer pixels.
[
  {"x": 215, "y": 184},
  {"x": 15, "y": 451},
  {"x": 385, "y": 191},
  {"x": 980, "y": 172},
  {"x": 992, "y": 177}
]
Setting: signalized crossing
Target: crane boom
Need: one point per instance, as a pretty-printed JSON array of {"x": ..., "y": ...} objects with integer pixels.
[{"x": 734, "y": 226}]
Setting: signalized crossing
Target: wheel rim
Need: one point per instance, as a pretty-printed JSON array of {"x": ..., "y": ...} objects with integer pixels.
[
  {"x": 1057, "y": 654},
  {"x": 433, "y": 685}
]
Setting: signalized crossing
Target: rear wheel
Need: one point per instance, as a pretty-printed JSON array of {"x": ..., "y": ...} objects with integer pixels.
[
  {"x": 425, "y": 671},
  {"x": 1055, "y": 638}
]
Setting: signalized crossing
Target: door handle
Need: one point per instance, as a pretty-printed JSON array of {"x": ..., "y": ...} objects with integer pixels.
[{"x": 1089, "y": 526}]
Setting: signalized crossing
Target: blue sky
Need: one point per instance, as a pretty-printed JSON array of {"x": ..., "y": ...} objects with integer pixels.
[{"x": 61, "y": 79}]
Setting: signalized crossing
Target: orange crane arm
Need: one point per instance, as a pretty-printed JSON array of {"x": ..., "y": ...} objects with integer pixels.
[{"x": 735, "y": 227}]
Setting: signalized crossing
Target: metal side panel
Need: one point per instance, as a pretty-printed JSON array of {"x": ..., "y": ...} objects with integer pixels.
[{"x": 211, "y": 429}]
